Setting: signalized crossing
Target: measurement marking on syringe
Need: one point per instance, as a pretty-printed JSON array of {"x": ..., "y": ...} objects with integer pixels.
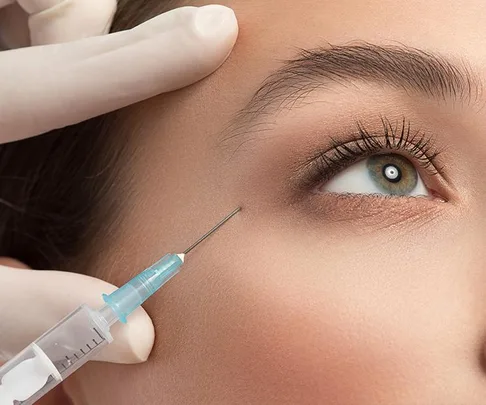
[
  {"x": 99, "y": 334},
  {"x": 75, "y": 357},
  {"x": 69, "y": 362}
]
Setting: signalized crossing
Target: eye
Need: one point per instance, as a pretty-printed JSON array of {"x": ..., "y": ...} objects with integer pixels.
[{"x": 386, "y": 174}]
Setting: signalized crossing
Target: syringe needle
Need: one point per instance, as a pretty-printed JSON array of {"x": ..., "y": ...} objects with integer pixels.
[
  {"x": 133, "y": 294},
  {"x": 212, "y": 230},
  {"x": 69, "y": 345}
]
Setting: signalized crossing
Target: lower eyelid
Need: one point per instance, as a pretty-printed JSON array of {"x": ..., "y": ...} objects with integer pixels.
[{"x": 374, "y": 212}]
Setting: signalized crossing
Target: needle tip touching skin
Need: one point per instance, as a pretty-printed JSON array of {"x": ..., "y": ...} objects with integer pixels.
[{"x": 52, "y": 86}]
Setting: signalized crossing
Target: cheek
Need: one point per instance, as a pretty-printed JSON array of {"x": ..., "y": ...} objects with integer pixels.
[
  {"x": 280, "y": 336},
  {"x": 334, "y": 327},
  {"x": 283, "y": 320}
]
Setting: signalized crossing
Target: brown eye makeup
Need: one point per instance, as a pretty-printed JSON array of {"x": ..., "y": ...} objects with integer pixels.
[{"x": 320, "y": 115}]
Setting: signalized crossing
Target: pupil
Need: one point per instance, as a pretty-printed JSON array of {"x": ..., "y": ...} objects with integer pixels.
[{"x": 392, "y": 173}]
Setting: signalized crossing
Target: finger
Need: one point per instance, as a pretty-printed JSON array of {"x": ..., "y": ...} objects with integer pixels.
[
  {"x": 33, "y": 301},
  {"x": 57, "y": 85},
  {"x": 56, "y": 21},
  {"x": 40, "y": 22}
]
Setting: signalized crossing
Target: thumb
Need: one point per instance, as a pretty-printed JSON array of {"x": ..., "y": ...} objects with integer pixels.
[{"x": 33, "y": 301}]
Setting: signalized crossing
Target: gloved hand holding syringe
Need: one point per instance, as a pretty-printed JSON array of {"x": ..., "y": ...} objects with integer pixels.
[
  {"x": 81, "y": 335},
  {"x": 58, "y": 68}
]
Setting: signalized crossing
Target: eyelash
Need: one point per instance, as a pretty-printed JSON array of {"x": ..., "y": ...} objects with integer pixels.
[{"x": 400, "y": 138}]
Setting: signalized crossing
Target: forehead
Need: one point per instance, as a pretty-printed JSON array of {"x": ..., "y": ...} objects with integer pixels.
[
  {"x": 272, "y": 31},
  {"x": 446, "y": 26}
]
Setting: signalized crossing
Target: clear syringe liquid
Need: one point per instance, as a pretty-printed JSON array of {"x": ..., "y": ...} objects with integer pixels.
[{"x": 76, "y": 339}]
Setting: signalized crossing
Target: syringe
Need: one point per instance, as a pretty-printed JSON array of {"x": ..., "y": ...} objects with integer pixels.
[{"x": 81, "y": 335}]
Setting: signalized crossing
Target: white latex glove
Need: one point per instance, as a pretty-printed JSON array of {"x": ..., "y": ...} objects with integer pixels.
[
  {"x": 51, "y": 86},
  {"x": 31, "y": 301}
]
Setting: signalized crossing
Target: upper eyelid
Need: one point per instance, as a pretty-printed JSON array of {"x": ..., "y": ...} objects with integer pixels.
[
  {"x": 400, "y": 67},
  {"x": 393, "y": 137},
  {"x": 405, "y": 135},
  {"x": 426, "y": 164},
  {"x": 386, "y": 147},
  {"x": 416, "y": 145}
]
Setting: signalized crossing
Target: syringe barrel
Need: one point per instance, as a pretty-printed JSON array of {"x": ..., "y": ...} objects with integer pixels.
[{"x": 53, "y": 357}]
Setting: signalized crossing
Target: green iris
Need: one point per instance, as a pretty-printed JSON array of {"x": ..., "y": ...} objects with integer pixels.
[{"x": 392, "y": 174}]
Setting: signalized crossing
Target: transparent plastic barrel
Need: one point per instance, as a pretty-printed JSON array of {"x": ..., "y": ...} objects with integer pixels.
[{"x": 53, "y": 357}]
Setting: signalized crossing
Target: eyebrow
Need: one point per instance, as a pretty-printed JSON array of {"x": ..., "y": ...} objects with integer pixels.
[{"x": 400, "y": 67}]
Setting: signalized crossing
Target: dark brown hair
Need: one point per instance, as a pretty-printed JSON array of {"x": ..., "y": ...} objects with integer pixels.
[{"x": 55, "y": 187}]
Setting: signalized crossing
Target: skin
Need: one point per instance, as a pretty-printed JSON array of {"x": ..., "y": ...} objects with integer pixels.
[{"x": 316, "y": 299}]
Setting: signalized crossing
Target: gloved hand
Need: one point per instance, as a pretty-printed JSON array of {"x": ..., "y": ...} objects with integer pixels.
[
  {"x": 51, "y": 86},
  {"x": 45, "y": 87}
]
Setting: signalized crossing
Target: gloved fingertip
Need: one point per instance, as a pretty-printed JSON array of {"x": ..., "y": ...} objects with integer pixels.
[
  {"x": 133, "y": 342},
  {"x": 215, "y": 21},
  {"x": 141, "y": 336}
]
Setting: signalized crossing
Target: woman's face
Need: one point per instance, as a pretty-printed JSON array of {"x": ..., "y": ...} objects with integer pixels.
[{"x": 349, "y": 278}]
